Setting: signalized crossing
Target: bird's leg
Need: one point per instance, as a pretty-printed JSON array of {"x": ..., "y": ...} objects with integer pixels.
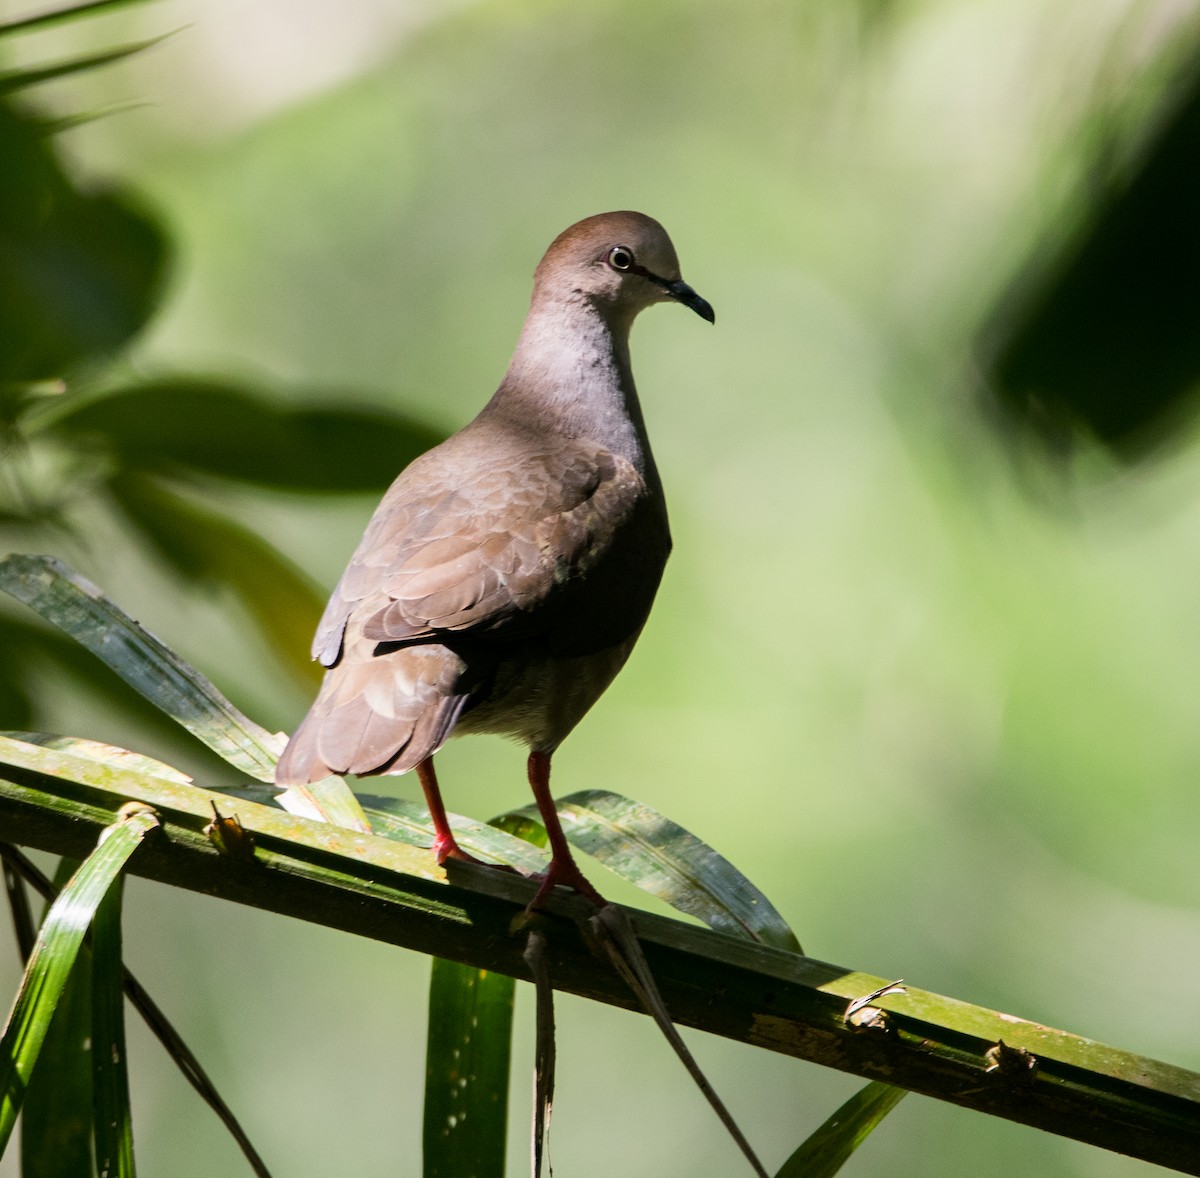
[
  {"x": 445, "y": 846},
  {"x": 563, "y": 869}
]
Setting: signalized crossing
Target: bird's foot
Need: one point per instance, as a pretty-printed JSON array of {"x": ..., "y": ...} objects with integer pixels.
[
  {"x": 445, "y": 847},
  {"x": 568, "y": 875},
  {"x": 448, "y": 848}
]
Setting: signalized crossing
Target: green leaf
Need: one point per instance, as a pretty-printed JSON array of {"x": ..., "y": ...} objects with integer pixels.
[
  {"x": 112, "y": 1123},
  {"x": 466, "y": 1071},
  {"x": 82, "y": 118},
  {"x": 56, "y": 1118},
  {"x": 408, "y": 822},
  {"x": 1095, "y": 336},
  {"x": 32, "y": 651},
  {"x": 643, "y": 846},
  {"x": 321, "y": 446},
  {"x": 206, "y": 546},
  {"x": 328, "y": 800},
  {"x": 159, "y": 1025},
  {"x": 62, "y": 15},
  {"x": 48, "y": 767},
  {"x": 828, "y": 1149},
  {"x": 54, "y": 955},
  {"x": 470, "y": 1015},
  {"x": 13, "y": 80},
  {"x": 76, "y": 606},
  {"x": 106, "y": 754}
]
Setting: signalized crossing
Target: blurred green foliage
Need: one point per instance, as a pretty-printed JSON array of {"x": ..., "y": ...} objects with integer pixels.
[
  {"x": 935, "y": 688},
  {"x": 84, "y": 272},
  {"x": 1101, "y": 332}
]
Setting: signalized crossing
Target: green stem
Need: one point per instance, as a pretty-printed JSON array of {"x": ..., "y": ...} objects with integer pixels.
[{"x": 768, "y": 997}]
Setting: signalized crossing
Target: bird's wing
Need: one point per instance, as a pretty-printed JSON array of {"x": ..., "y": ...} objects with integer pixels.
[{"x": 448, "y": 553}]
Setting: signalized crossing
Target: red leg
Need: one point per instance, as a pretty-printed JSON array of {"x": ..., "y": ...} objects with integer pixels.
[
  {"x": 563, "y": 869},
  {"x": 445, "y": 846}
]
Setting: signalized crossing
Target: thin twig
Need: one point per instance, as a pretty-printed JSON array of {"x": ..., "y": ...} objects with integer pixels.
[
  {"x": 544, "y": 1053},
  {"x": 18, "y": 903},
  {"x": 612, "y": 931}
]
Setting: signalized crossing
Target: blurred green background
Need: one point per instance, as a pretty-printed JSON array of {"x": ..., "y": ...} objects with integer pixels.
[{"x": 924, "y": 664}]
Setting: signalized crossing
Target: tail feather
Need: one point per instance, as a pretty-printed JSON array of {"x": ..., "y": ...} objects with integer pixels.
[{"x": 382, "y": 714}]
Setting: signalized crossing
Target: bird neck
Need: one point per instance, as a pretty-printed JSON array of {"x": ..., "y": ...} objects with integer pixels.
[{"x": 570, "y": 374}]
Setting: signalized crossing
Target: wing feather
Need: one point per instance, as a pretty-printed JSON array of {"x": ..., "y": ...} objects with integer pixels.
[{"x": 485, "y": 554}]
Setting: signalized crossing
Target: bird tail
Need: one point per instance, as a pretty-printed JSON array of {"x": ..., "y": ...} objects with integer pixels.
[{"x": 380, "y": 716}]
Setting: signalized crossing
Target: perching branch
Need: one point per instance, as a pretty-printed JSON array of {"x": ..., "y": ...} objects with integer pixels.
[{"x": 766, "y": 997}]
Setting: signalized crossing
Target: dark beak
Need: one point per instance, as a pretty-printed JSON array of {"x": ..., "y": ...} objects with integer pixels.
[{"x": 682, "y": 293}]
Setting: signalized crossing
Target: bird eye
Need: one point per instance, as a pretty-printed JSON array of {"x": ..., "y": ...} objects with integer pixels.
[{"x": 620, "y": 257}]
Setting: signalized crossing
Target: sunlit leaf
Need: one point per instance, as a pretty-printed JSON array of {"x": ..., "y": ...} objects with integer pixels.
[
  {"x": 54, "y": 955},
  {"x": 50, "y": 767},
  {"x": 322, "y": 445},
  {"x": 206, "y": 546},
  {"x": 643, "y": 846},
  {"x": 113, "y": 1118},
  {"x": 328, "y": 800},
  {"x": 108, "y": 754},
  {"x": 78, "y": 607},
  {"x": 828, "y": 1149}
]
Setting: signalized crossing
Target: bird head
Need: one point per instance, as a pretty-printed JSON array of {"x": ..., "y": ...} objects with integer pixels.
[{"x": 620, "y": 262}]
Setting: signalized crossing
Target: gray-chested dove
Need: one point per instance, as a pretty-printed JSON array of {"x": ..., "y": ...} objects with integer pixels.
[{"x": 506, "y": 575}]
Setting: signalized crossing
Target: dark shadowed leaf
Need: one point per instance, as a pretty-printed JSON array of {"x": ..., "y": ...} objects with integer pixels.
[
  {"x": 247, "y": 435},
  {"x": 470, "y": 1013},
  {"x": 82, "y": 272},
  {"x": 205, "y": 546},
  {"x": 16, "y": 704},
  {"x": 113, "y": 1121},
  {"x": 828, "y": 1149},
  {"x": 466, "y": 1071},
  {"x": 1101, "y": 333}
]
